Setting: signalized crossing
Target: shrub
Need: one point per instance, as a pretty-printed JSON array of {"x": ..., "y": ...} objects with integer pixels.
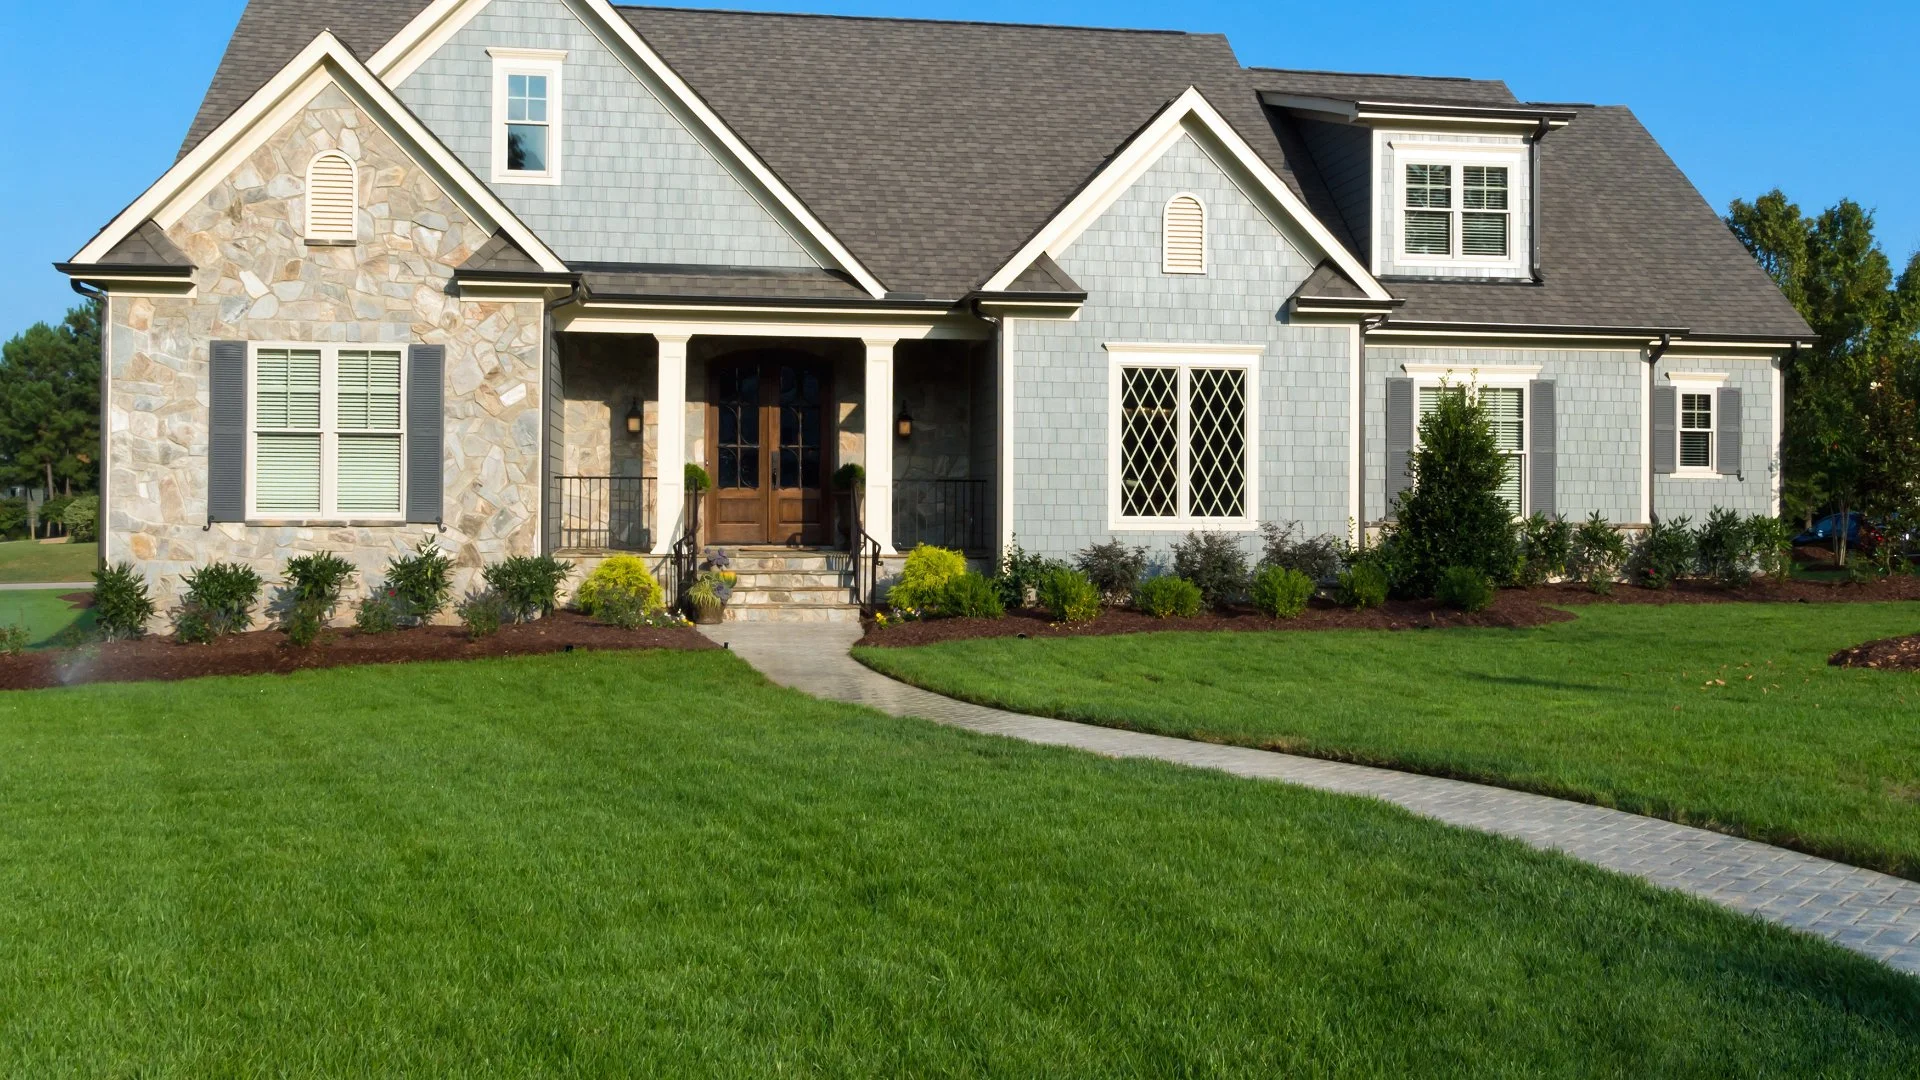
[
  {"x": 629, "y": 610},
  {"x": 695, "y": 478},
  {"x": 1545, "y": 544},
  {"x": 381, "y": 613},
  {"x": 623, "y": 580},
  {"x": 1362, "y": 586},
  {"x": 219, "y": 601},
  {"x": 1464, "y": 588},
  {"x": 1597, "y": 553},
  {"x": 1664, "y": 553},
  {"x": 318, "y": 580},
  {"x": 1280, "y": 592},
  {"x": 1068, "y": 596},
  {"x": 1020, "y": 574},
  {"x": 1318, "y": 557},
  {"x": 1724, "y": 548},
  {"x": 13, "y": 640},
  {"x": 82, "y": 518},
  {"x": 13, "y": 519},
  {"x": 1114, "y": 568},
  {"x": 1453, "y": 515},
  {"x": 528, "y": 585},
  {"x": 482, "y": 613},
  {"x": 1216, "y": 562},
  {"x": 1772, "y": 545},
  {"x": 971, "y": 596},
  {"x": 121, "y": 605},
  {"x": 1163, "y": 597},
  {"x": 849, "y": 477},
  {"x": 53, "y": 513},
  {"x": 422, "y": 582},
  {"x": 924, "y": 578}
]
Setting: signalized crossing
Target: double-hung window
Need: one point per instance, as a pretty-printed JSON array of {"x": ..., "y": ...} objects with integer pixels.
[
  {"x": 1183, "y": 434},
  {"x": 327, "y": 432},
  {"x": 1506, "y": 408},
  {"x": 1458, "y": 206},
  {"x": 1696, "y": 430},
  {"x": 526, "y": 115}
]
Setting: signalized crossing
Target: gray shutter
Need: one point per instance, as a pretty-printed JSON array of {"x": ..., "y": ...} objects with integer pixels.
[
  {"x": 1399, "y": 439},
  {"x": 227, "y": 432},
  {"x": 1665, "y": 438},
  {"x": 426, "y": 433},
  {"x": 1542, "y": 439},
  {"x": 1726, "y": 407}
]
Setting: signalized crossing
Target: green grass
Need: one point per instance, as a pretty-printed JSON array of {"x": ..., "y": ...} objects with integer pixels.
[
  {"x": 1624, "y": 706},
  {"x": 659, "y": 865},
  {"x": 24, "y": 562},
  {"x": 42, "y": 613}
]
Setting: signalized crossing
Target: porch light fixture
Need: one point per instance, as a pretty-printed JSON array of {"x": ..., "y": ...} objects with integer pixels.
[
  {"x": 903, "y": 424},
  {"x": 633, "y": 420}
]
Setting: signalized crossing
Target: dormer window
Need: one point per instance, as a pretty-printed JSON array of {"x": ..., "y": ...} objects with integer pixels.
[
  {"x": 1456, "y": 206},
  {"x": 526, "y": 115}
]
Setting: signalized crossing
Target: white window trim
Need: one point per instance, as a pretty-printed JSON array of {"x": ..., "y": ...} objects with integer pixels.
[
  {"x": 1514, "y": 158},
  {"x": 1489, "y": 376},
  {"x": 1186, "y": 358},
  {"x": 1206, "y": 227},
  {"x": 1697, "y": 382},
  {"x": 545, "y": 62},
  {"x": 329, "y": 430}
]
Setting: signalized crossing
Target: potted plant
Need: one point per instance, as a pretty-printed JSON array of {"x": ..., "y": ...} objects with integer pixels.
[{"x": 710, "y": 591}]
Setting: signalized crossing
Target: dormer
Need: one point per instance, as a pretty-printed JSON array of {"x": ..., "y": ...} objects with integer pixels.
[{"x": 1432, "y": 188}]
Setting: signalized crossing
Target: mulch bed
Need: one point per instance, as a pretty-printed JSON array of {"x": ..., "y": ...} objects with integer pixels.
[
  {"x": 1887, "y": 654},
  {"x": 268, "y": 651},
  {"x": 1512, "y": 608}
]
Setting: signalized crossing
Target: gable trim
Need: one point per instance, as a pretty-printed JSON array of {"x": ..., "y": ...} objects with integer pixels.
[
  {"x": 437, "y": 24},
  {"x": 325, "y": 60},
  {"x": 1190, "y": 113}
]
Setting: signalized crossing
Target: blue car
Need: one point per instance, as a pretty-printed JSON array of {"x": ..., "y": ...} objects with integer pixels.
[{"x": 1823, "y": 530}]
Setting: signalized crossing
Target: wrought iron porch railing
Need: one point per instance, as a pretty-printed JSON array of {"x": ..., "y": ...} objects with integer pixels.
[
  {"x": 606, "y": 513},
  {"x": 944, "y": 513}
]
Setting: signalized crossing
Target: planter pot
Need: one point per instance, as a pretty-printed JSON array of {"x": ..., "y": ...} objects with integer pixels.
[{"x": 708, "y": 614}]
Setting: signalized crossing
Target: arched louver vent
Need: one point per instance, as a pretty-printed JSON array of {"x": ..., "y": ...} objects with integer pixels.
[
  {"x": 1185, "y": 236},
  {"x": 333, "y": 199}
]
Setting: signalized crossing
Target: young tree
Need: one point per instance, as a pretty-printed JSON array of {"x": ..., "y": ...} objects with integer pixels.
[
  {"x": 50, "y": 403},
  {"x": 1454, "y": 515}
]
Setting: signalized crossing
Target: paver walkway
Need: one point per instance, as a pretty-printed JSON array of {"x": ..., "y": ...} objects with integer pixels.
[{"x": 1868, "y": 912}]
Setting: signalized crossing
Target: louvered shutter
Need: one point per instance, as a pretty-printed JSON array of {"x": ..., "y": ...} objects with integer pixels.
[
  {"x": 1185, "y": 236},
  {"x": 1727, "y": 407},
  {"x": 227, "y": 427},
  {"x": 1542, "y": 441},
  {"x": 1399, "y": 439},
  {"x": 1666, "y": 407},
  {"x": 333, "y": 199},
  {"x": 426, "y": 427}
]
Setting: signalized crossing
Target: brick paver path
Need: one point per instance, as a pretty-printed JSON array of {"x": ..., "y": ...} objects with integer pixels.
[{"x": 1868, "y": 912}]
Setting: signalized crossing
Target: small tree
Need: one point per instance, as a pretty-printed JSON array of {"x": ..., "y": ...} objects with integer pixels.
[{"x": 1454, "y": 515}]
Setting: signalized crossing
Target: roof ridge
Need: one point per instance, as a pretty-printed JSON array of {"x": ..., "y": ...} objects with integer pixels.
[
  {"x": 1373, "y": 74},
  {"x": 825, "y": 16}
]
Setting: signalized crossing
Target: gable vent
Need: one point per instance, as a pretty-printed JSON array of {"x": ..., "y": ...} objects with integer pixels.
[
  {"x": 333, "y": 199},
  {"x": 1185, "y": 236}
]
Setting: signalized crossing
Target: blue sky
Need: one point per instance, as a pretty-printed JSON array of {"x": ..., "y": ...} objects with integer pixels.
[{"x": 1745, "y": 96}]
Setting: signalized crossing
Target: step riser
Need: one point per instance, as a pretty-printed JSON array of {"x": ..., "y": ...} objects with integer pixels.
[
  {"x": 806, "y": 564},
  {"x": 790, "y": 579},
  {"x": 845, "y": 614},
  {"x": 796, "y": 598}
]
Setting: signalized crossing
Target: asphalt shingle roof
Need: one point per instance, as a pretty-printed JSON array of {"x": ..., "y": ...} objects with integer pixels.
[{"x": 1354, "y": 86}]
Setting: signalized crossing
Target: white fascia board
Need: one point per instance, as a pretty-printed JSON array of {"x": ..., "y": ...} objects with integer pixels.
[
  {"x": 442, "y": 19},
  {"x": 1139, "y": 154},
  {"x": 325, "y": 60}
]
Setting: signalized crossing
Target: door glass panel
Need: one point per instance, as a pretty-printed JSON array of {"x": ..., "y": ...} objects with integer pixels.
[
  {"x": 799, "y": 457},
  {"x": 738, "y": 403}
]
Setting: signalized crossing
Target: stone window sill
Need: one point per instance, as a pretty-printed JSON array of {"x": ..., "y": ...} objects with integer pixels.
[{"x": 332, "y": 243}]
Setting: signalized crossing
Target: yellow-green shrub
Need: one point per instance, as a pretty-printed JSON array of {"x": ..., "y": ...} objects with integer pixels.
[
  {"x": 923, "y": 582},
  {"x": 622, "y": 575}
]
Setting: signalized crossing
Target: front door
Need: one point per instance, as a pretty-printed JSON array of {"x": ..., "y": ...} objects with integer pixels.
[{"x": 766, "y": 425}]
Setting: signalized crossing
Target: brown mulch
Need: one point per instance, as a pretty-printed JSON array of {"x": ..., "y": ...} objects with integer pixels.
[
  {"x": 268, "y": 651},
  {"x": 1512, "y": 608},
  {"x": 1887, "y": 654}
]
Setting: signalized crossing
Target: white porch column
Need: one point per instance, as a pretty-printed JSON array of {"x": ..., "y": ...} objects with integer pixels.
[
  {"x": 670, "y": 455},
  {"x": 879, "y": 409}
]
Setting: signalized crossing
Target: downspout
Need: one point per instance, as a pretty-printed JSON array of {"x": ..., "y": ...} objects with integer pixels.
[
  {"x": 1533, "y": 202},
  {"x": 549, "y": 342},
  {"x": 1653, "y": 358},
  {"x": 1367, "y": 326}
]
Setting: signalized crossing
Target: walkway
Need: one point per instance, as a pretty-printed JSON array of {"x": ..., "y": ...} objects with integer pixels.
[{"x": 1868, "y": 912}]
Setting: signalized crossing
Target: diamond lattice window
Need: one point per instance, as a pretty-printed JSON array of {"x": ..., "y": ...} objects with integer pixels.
[{"x": 1183, "y": 442}]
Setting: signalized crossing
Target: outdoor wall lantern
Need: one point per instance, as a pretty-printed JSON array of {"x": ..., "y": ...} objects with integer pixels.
[
  {"x": 633, "y": 420},
  {"x": 903, "y": 425}
]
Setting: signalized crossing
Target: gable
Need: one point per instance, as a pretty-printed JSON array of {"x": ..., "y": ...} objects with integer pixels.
[{"x": 637, "y": 185}]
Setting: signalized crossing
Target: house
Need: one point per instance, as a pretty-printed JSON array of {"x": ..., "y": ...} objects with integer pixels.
[{"x": 497, "y": 271}]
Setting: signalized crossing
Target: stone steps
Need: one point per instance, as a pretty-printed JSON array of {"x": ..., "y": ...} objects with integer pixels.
[{"x": 790, "y": 585}]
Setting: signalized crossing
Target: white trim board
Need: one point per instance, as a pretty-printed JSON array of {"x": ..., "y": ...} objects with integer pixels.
[
  {"x": 1187, "y": 358},
  {"x": 1189, "y": 114},
  {"x": 326, "y": 60}
]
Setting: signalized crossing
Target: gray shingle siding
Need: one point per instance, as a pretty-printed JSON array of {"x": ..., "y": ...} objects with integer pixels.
[
  {"x": 1062, "y": 486},
  {"x": 1675, "y": 496},
  {"x": 637, "y": 186}
]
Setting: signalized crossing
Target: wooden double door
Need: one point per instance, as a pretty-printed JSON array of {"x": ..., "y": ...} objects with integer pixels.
[{"x": 768, "y": 422}]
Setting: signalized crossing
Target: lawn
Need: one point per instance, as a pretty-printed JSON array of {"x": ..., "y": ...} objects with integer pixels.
[
  {"x": 660, "y": 865},
  {"x": 1720, "y": 715},
  {"x": 42, "y": 613},
  {"x": 24, "y": 562}
]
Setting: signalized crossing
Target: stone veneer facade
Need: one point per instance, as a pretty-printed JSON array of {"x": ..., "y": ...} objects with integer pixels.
[{"x": 259, "y": 281}]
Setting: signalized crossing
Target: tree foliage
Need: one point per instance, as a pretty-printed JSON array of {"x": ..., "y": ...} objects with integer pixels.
[
  {"x": 1454, "y": 514},
  {"x": 50, "y": 402}
]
